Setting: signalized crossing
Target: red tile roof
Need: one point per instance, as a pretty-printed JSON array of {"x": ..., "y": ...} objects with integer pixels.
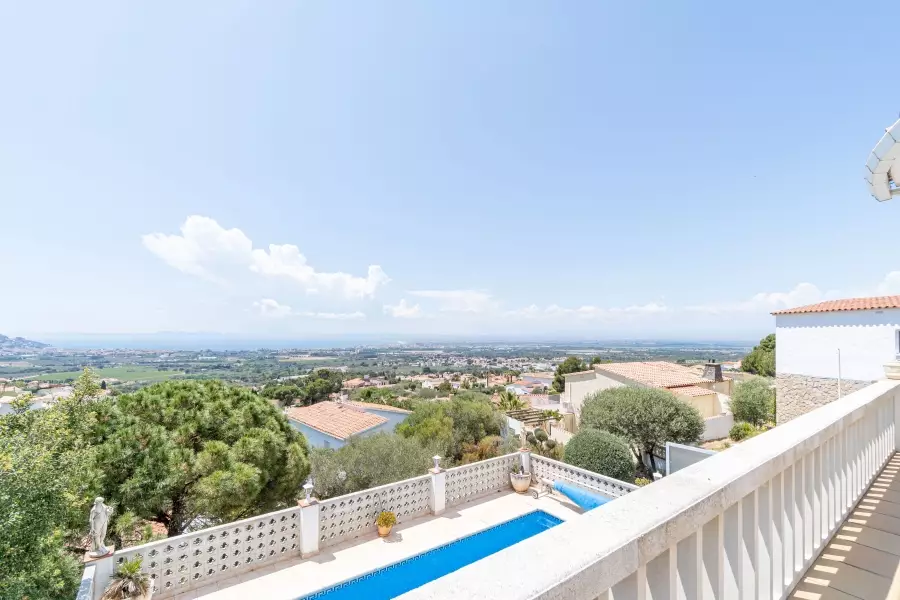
[
  {"x": 876, "y": 303},
  {"x": 692, "y": 391},
  {"x": 658, "y": 374},
  {"x": 337, "y": 420}
]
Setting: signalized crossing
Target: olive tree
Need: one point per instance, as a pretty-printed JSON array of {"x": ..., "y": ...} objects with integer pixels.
[
  {"x": 753, "y": 402},
  {"x": 646, "y": 417}
]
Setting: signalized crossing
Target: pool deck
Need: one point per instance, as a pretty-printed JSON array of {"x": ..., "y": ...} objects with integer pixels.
[{"x": 293, "y": 578}]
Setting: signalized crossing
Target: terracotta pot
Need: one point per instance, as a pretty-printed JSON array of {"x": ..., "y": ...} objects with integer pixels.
[
  {"x": 520, "y": 482},
  {"x": 384, "y": 530}
]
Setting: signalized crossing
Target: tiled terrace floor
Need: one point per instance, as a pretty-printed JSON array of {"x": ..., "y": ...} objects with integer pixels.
[
  {"x": 294, "y": 578},
  {"x": 861, "y": 561}
]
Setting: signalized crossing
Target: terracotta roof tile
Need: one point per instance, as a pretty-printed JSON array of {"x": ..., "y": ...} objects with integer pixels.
[
  {"x": 657, "y": 374},
  {"x": 337, "y": 420},
  {"x": 692, "y": 391},
  {"x": 876, "y": 303}
]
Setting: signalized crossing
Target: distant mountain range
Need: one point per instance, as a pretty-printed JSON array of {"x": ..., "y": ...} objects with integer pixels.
[{"x": 20, "y": 343}]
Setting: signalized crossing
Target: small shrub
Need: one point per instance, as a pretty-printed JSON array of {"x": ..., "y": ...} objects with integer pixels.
[
  {"x": 128, "y": 581},
  {"x": 642, "y": 481},
  {"x": 600, "y": 452},
  {"x": 386, "y": 519},
  {"x": 741, "y": 431}
]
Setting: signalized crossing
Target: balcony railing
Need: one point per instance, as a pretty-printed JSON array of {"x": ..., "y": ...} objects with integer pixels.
[{"x": 745, "y": 523}]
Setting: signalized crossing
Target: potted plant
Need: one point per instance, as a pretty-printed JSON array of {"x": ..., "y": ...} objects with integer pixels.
[
  {"x": 386, "y": 519},
  {"x": 129, "y": 583},
  {"x": 519, "y": 479}
]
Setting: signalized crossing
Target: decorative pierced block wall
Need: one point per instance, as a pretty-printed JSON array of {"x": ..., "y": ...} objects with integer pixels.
[
  {"x": 352, "y": 515},
  {"x": 547, "y": 468},
  {"x": 484, "y": 477},
  {"x": 193, "y": 560}
]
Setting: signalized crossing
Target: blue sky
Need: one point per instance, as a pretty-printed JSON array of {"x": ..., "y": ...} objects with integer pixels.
[{"x": 581, "y": 169}]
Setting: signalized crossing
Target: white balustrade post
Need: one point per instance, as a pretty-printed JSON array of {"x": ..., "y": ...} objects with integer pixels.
[
  {"x": 525, "y": 460},
  {"x": 438, "y": 499},
  {"x": 309, "y": 523},
  {"x": 103, "y": 571}
]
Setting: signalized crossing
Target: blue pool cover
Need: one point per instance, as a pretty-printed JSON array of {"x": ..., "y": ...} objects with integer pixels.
[
  {"x": 401, "y": 577},
  {"x": 583, "y": 498}
]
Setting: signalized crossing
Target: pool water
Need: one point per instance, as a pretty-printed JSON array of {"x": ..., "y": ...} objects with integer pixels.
[{"x": 401, "y": 577}]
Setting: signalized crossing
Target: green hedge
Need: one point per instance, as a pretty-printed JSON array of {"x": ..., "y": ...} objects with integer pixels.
[{"x": 601, "y": 452}]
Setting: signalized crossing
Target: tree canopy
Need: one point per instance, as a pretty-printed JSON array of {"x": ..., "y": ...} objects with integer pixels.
[
  {"x": 600, "y": 452},
  {"x": 753, "y": 402},
  {"x": 572, "y": 364},
  {"x": 179, "y": 450},
  {"x": 46, "y": 486},
  {"x": 465, "y": 419},
  {"x": 761, "y": 360},
  {"x": 369, "y": 461},
  {"x": 313, "y": 388},
  {"x": 646, "y": 417}
]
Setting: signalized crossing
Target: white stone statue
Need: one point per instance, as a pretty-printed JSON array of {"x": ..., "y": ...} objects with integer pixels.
[{"x": 99, "y": 520}]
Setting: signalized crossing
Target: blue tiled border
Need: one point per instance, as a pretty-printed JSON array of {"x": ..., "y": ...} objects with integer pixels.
[{"x": 343, "y": 584}]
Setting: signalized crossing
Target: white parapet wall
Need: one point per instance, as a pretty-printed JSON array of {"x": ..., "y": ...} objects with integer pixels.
[
  {"x": 352, "y": 515},
  {"x": 745, "y": 523}
]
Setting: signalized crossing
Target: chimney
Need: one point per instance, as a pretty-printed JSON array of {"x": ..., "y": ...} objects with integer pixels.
[{"x": 713, "y": 370}]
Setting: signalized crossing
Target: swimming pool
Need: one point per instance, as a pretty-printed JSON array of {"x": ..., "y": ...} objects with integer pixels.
[{"x": 399, "y": 578}]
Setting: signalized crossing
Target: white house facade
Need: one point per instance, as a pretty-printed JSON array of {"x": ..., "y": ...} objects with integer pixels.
[{"x": 819, "y": 345}]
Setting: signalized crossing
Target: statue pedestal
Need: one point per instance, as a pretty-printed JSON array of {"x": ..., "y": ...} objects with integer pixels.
[{"x": 89, "y": 559}]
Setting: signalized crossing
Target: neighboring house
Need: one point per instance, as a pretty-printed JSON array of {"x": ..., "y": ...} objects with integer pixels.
[
  {"x": 352, "y": 384},
  {"x": 332, "y": 424},
  {"x": 542, "y": 379},
  {"x": 866, "y": 331},
  {"x": 518, "y": 387},
  {"x": 709, "y": 392}
]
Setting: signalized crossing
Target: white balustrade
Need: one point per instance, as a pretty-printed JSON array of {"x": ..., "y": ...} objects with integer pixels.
[
  {"x": 547, "y": 468},
  {"x": 352, "y": 515},
  {"x": 188, "y": 561},
  {"x": 745, "y": 523},
  {"x": 468, "y": 482}
]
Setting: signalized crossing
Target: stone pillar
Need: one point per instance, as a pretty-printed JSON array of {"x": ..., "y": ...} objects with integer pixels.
[
  {"x": 438, "y": 499},
  {"x": 309, "y": 527},
  {"x": 103, "y": 571},
  {"x": 525, "y": 460}
]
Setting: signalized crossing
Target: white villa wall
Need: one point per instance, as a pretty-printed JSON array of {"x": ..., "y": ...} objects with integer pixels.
[
  {"x": 579, "y": 385},
  {"x": 806, "y": 359},
  {"x": 807, "y": 344}
]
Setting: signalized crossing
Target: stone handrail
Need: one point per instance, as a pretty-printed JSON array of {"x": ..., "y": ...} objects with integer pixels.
[
  {"x": 547, "y": 468},
  {"x": 467, "y": 482},
  {"x": 349, "y": 516},
  {"x": 745, "y": 523},
  {"x": 188, "y": 561}
]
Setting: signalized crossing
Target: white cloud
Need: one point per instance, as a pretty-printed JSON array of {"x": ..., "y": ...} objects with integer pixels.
[
  {"x": 469, "y": 301},
  {"x": 803, "y": 293},
  {"x": 353, "y": 316},
  {"x": 403, "y": 310},
  {"x": 890, "y": 285},
  {"x": 587, "y": 312},
  {"x": 202, "y": 243},
  {"x": 205, "y": 248},
  {"x": 270, "y": 308}
]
